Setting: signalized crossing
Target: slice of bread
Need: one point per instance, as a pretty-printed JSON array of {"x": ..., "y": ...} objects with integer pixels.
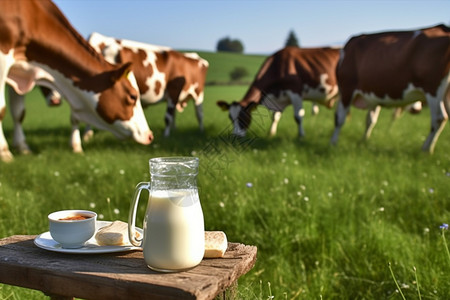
[
  {"x": 115, "y": 234},
  {"x": 215, "y": 244}
]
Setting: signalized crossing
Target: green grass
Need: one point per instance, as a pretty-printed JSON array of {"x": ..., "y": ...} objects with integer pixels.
[
  {"x": 222, "y": 63},
  {"x": 327, "y": 221}
]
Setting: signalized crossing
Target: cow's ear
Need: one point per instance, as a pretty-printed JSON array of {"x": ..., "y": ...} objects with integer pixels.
[
  {"x": 121, "y": 72},
  {"x": 223, "y": 105}
]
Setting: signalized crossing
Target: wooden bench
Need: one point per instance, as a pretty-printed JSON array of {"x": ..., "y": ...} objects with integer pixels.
[{"x": 122, "y": 275}]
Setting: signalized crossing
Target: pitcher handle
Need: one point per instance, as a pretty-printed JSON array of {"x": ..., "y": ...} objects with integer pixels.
[{"x": 132, "y": 215}]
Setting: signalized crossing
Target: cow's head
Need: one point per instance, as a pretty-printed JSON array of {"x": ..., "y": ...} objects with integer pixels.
[
  {"x": 52, "y": 96},
  {"x": 239, "y": 115},
  {"x": 117, "y": 105}
]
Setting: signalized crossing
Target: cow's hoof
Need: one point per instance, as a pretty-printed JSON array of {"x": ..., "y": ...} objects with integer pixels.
[
  {"x": 6, "y": 156},
  {"x": 24, "y": 150},
  {"x": 78, "y": 150},
  {"x": 88, "y": 135}
]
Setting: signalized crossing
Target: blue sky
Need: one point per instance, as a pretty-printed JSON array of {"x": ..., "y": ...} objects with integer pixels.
[{"x": 262, "y": 26}]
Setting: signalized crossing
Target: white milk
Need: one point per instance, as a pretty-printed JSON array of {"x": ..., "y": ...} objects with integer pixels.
[{"x": 174, "y": 237}]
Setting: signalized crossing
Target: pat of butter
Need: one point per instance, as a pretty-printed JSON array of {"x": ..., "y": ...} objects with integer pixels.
[{"x": 215, "y": 244}]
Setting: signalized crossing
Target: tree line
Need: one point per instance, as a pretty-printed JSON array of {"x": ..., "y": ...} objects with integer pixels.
[{"x": 227, "y": 44}]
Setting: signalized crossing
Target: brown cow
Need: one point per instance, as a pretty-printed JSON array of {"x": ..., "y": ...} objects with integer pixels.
[
  {"x": 395, "y": 69},
  {"x": 161, "y": 73},
  {"x": 39, "y": 45},
  {"x": 289, "y": 76}
]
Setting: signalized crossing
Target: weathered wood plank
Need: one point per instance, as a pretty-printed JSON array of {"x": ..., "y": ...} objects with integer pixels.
[{"x": 116, "y": 275}]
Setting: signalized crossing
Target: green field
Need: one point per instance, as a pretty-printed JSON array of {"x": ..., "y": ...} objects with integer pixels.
[
  {"x": 327, "y": 221},
  {"x": 223, "y": 63}
]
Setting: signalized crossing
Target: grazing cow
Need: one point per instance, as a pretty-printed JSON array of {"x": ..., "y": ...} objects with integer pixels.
[
  {"x": 289, "y": 76},
  {"x": 395, "y": 69},
  {"x": 161, "y": 73},
  {"x": 39, "y": 45}
]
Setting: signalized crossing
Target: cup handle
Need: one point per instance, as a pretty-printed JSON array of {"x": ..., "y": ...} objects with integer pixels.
[{"x": 132, "y": 215}]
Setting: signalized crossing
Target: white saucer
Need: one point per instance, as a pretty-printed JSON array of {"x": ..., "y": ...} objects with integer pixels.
[{"x": 46, "y": 242}]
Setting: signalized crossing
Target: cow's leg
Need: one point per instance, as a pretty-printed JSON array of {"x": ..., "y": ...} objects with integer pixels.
[
  {"x": 315, "y": 109},
  {"x": 299, "y": 112},
  {"x": 275, "y": 120},
  {"x": 397, "y": 113},
  {"x": 371, "y": 120},
  {"x": 17, "y": 109},
  {"x": 413, "y": 108},
  {"x": 88, "y": 133},
  {"x": 339, "y": 119},
  {"x": 199, "y": 115},
  {"x": 170, "y": 117},
  {"x": 5, "y": 63},
  {"x": 438, "y": 119},
  {"x": 75, "y": 137},
  {"x": 5, "y": 154}
]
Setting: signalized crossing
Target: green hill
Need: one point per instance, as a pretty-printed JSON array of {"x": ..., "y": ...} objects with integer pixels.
[{"x": 222, "y": 63}]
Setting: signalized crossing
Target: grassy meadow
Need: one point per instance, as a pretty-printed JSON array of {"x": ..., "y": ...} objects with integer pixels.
[{"x": 329, "y": 222}]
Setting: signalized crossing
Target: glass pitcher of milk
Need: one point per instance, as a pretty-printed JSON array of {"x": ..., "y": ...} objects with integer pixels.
[{"x": 174, "y": 234}]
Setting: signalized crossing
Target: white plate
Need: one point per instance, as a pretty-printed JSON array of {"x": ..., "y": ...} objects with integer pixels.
[{"x": 46, "y": 242}]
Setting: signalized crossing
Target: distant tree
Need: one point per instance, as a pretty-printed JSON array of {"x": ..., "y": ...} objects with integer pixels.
[
  {"x": 292, "y": 40},
  {"x": 228, "y": 45},
  {"x": 238, "y": 73}
]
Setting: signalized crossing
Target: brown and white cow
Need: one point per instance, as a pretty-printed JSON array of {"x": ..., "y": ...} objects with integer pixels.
[
  {"x": 39, "y": 45},
  {"x": 161, "y": 73},
  {"x": 395, "y": 69},
  {"x": 289, "y": 76}
]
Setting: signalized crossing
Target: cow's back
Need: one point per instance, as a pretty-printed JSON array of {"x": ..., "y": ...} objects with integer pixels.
[
  {"x": 185, "y": 74},
  {"x": 296, "y": 69},
  {"x": 160, "y": 71},
  {"x": 395, "y": 69},
  {"x": 386, "y": 64}
]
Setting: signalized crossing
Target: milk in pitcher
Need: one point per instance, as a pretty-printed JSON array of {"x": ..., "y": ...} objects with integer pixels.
[{"x": 173, "y": 230}]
